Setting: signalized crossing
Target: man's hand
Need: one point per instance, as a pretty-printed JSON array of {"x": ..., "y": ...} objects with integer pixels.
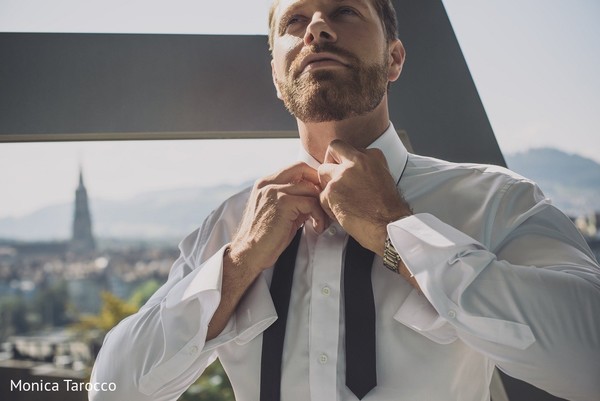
[
  {"x": 277, "y": 208},
  {"x": 359, "y": 192}
]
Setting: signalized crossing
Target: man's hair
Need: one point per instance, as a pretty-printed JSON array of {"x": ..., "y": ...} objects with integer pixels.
[{"x": 385, "y": 9}]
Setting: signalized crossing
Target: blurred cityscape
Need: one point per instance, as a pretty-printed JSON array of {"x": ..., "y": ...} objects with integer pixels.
[{"x": 59, "y": 298}]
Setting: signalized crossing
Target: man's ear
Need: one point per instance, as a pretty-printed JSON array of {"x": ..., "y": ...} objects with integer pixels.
[
  {"x": 396, "y": 59},
  {"x": 274, "y": 75}
]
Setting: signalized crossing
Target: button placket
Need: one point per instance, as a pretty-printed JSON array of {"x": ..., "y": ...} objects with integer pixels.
[{"x": 325, "y": 313}]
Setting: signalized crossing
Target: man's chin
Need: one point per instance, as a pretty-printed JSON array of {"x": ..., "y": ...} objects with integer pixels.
[{"x": 321, "y": 112}]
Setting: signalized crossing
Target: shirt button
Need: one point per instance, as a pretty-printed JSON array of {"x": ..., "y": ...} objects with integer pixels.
[
  {"x": 451, "y": 314},
  {"x": 325, "y": 291},
  {"x": 193, "y": 349},
  {"x": 332, "y": 230},
  {"x": 323, "y": 359}
]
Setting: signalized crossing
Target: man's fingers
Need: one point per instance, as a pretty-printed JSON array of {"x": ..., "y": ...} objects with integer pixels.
[
  {"x": 339, "y": 151},
  {"x": 302, "y": 188},
  {"x": 303, "y": 207},
  {"x": 298, "y": 202},
  {"x": 324, "y": 202},
  {"x": 377, "y": 154},
  {"x": 295, "y": 173},
  {"x": 326, "y": 172}
]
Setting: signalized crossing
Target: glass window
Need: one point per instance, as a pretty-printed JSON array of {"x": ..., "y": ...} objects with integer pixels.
[{"x": 534, "y": 64}]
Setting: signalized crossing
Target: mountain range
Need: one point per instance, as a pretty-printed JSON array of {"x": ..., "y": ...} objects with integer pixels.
[
  {"x": 156, "y": 215},
  {"x": 571, "y": 181}
]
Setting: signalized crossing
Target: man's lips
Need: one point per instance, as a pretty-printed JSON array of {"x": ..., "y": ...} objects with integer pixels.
[{"x": 317, "y": 60}]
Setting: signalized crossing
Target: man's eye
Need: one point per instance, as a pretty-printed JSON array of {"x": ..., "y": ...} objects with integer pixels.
[
  {"x": 346, "y": 11},
  {"x": 292, "y": 20},
  {"x": 289, "y": 23}
]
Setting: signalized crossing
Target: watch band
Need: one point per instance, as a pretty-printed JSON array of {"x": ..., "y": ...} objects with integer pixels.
[{"x": 391, "y": 258}]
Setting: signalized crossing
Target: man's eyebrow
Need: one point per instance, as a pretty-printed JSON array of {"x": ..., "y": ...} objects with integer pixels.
[
  {"x": 292, "y": 7},
  {"x": 285, "y": 13},
  {"x": 359, "y": 2},
  {"x": 299, "y": 4}
]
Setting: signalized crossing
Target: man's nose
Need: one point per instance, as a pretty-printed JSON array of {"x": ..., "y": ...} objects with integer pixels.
[{"x": 319, "y": 31}]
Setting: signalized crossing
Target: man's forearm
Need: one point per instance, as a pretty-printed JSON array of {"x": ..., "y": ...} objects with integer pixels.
[{"x": 237, "y": 278}]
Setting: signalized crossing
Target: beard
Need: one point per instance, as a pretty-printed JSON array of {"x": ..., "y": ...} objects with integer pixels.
[{"x": 325, "y": 95}]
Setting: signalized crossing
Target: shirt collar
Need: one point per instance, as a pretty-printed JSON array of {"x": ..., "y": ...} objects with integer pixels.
[{"x": 389, "y": 143}]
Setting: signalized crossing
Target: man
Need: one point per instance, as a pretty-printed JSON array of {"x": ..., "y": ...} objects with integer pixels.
[{"x": 473, "y": 267}]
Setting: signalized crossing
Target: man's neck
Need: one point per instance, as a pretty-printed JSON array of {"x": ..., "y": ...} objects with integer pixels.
[{"x": 359, "y": 131}]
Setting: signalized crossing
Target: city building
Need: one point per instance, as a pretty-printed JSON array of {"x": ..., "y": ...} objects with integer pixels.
[{"x": 82, "y": 240}]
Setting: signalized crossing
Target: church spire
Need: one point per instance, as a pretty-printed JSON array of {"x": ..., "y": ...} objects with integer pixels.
[{"x": 82, "y": 241}]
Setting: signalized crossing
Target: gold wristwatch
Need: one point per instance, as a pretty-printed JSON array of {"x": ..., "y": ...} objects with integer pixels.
[{"x": 391, "y": 258}]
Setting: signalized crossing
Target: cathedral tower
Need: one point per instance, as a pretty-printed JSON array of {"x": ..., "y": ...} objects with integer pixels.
[{"x": 82, "y": 241}]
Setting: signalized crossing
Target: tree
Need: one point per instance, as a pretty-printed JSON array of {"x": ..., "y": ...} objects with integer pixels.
[
  {"x": 213, "y": 385},
  {"x": 143, "y": 292},
  {"x": 13, "y": 317},
  {"x": 112, "y": 311},
  {"x": 52, "y": 305}
]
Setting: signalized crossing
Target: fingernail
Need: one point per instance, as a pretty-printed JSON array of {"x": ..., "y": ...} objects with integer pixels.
[{"x": 318, "y": 226}]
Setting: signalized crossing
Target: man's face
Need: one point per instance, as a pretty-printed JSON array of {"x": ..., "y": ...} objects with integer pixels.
[{"x": 330, "y": 58}]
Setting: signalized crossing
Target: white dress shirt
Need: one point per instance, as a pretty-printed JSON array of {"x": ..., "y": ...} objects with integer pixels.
[{"x": 507, "y": 281}]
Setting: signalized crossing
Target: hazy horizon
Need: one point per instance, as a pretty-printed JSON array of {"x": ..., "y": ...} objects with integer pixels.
[
  {"x": 169, "y": 214},
  {"x": 167, "y": 172}
]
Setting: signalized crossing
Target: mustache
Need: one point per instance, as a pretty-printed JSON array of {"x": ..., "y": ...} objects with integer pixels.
[{"x": 349, "y": 57}]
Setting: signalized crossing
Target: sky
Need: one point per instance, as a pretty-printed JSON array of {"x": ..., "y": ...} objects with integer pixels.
[{"x": 534, "y": 63}]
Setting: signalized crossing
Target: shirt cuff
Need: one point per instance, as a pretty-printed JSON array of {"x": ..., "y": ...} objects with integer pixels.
[
  {"x": 445, "y": 261},
  {"x": 417, "y": 313},
  {"x": 185, "y": 314},
  {"x": 199, "y": 294},
  {"x": 203, "y": 284},
  {"x": 253, "y": 315}
]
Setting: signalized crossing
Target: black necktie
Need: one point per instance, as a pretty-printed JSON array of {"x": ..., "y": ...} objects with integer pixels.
[
  {"x": 361, "y": 372},
  {"x": 272, "y": 348},
  {"x": 361, "y": 375}
]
